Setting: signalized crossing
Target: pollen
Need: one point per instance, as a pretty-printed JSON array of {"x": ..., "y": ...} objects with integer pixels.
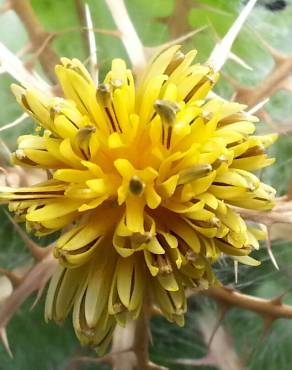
[
  {"x": 148, "y": 176},
  {"x": 136, "y": 186}
]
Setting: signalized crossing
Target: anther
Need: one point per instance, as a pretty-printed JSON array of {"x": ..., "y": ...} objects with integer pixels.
[
  {"x": 164, "y": 265},
  {"x": 104, "y": 94},
  {"x": 136, "y": 186},
  {"x": 60, "y": 253},
  {"x": 84, "y": 133},
  {"x": 137, "y": 239},
  {"x": 254, "y": 151},
  {"x": 19, "y": 154},
  {"x": 214, "y": 222},
  {"x": 118, "y": 307},
  {"x": 211, "y": 78},
  {"x": 220, "y": 160},
  {"x": 206, "y": 114},
  {"x": 191, "y": 256},
  {"x": 203, "y": 284},
  {"x": 179, "y": 311},
  {"x": 175, "y": 62},
  {"x": 193, "y": 173},
  {"x": 79, "y": 71},
  {"x": 54, "y": 111},
  {"x": 89, "y": 332},
  {"x": 25, "y": 103},
  {"x": 251, "y": 187},
  {"x": 167, "y": 111},
  {"x": 35, "y": 226},
  {"x": 18, "y": 212},
  {"x": 116, "y": 83}
]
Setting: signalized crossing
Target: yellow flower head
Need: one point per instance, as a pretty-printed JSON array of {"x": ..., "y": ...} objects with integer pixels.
[{"x": 144, "y": 182}]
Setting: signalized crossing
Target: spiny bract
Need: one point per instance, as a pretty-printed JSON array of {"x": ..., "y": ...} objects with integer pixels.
[{"x": 144, "y": 185}]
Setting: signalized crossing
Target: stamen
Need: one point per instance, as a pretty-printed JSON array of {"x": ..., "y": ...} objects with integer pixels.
[
  {"x": 79, "y": 71},
  {"x": 191, "y": 256},
  {"x": 193, "y": 173},
  {"x": 84, "y": 133},
  {"x": 118, "y": 307},
  {"x": 206, "y": 114},
  {"x": 89, "y": 332},
  {"x": 214, "y": 222},
  {"x": 54, "y": 111},
  {"x": 164, "y": 265},
  {"x": 103, "y": 93},
  {"x": 167, "y": 111},
  {"x": 251, "y": 187},
  {"x": 138, "y": 239},
  {"x": 220, "y": 160},
  {"x": 254, "y": 151},
  {"x": 175, "y": 62},
  {"x": 211, "y": 78},
  {"x": 179, "y": 311},
  {"x": 136, "y": 186},
  {"x": 35, "y": 226},
  {"x": 203, "y": 284},
  {"x": 25, "y": 103},
  {"x": 116, "y": 83},
  {"x": 19, "y": 154}
]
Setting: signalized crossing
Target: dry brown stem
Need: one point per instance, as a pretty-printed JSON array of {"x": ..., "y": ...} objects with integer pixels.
[
  {"x": 103, "y": 31},
  {"x": 273, "y": 82},
  {"x": 132, "y": 342},
  {"x": 40, "y": 39},
  {"x": 222, "y": 344},
  {"x": 271, "y": 308},
  {"x": 130, "y": 348},
  {"x": 281, "y": 213},
  {"x": 34, "y": 280},
  {"x": 80, "y": 9},
  {"x": 178, "y": 22},
  {"x": 141, "y": 341}
]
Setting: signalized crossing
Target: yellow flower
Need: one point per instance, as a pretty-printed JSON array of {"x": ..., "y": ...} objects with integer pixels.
[{"x": 144, "y": 177}]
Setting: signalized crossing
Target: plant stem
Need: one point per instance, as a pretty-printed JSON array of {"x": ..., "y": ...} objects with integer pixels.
[
  {"x": 39, "y": 38},
  {"x": 134, "y": 341}
]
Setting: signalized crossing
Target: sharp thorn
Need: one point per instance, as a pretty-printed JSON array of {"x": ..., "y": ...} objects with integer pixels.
[
  {"x": 239, "y": 61},
  {"x": 152, "y": 50},
  {"x": 270, "y": 252},
  {"x": 37, "y": 252},
  {"x": 38, "y": 297},
  {"x": 92, "y": 44},
  {"x": 268, "y": 321},
  {"x": 3, "y": 336},
  {"x": 278, "y": 300},
  {"x": 14, "y": 279},
  {"x": 14, "y": 123},
  {"x": 258, "y": 106},
  {"x": 234, "y": 83},
  {"x": 5, "y": 152},
  {"x": 276, "y": 55},
  {"x": 222, "y": 49},
  {"x": 222, "y": 313},
  {"x": 212, "y": 9},
  {"x": 236, "y": 272}
]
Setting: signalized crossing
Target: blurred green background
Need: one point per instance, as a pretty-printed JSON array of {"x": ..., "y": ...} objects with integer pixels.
[{"x": 37, "y": 345}]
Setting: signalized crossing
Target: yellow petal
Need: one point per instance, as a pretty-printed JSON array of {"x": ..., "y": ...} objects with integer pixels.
[{"x": 134, "y": 214}]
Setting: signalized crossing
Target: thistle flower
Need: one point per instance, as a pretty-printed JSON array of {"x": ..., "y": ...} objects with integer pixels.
[{"x": 143, "y": 182}]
